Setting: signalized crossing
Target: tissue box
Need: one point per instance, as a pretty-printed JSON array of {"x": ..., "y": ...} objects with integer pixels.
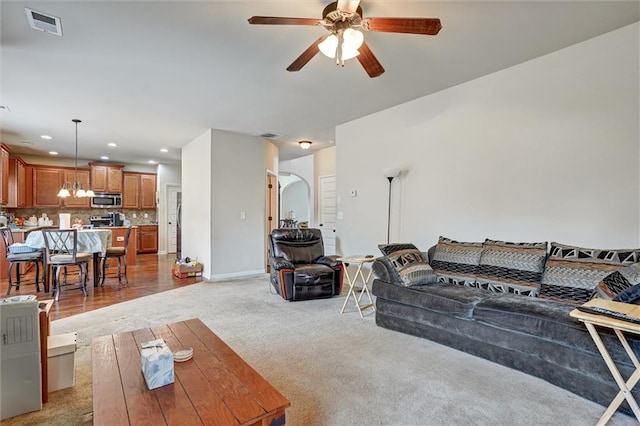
[{"x": 157, "y": 363}]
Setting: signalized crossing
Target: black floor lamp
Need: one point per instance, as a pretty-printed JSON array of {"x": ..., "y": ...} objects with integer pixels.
[{"x": 390, "y": 173}]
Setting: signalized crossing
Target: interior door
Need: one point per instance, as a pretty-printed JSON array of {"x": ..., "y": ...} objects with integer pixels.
[
  {"x": 328, "y": 212},
  {"x": 173, "y": 203}
]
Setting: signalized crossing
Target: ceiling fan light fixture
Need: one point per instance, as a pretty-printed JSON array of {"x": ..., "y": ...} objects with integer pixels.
[
  {"x": 352, "y": 40},
  {"x": 328, "y": 46}
]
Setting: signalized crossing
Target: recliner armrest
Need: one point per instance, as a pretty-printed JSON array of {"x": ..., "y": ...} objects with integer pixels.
[
  {"x": 330, "y": 261},
  {"x": 279, "y": 263}
]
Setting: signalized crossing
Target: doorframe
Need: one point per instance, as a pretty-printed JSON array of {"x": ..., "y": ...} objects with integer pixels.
[{"x": 272, "y": 210}]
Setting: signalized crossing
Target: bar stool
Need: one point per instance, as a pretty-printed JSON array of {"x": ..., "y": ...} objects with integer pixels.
[{"x": 119, "y": 253}]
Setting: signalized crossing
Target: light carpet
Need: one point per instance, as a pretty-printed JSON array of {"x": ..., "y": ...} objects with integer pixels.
[{"x": 335, "y": 369}]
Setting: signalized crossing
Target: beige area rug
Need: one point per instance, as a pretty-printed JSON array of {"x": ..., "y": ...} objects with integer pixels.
[{"x": 335, "y": 369}]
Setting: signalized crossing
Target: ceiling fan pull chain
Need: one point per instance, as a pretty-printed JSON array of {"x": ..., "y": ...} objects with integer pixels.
[{"x": 339, "y": 60}]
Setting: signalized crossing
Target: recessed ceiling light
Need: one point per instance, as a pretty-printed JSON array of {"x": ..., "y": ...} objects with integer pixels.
[
  {"x": 53, "y": 153},
  {"x": 164, "y": 150},
  {"x": 152, "y": 162},
  {"x": 113, "y": 145},
  {"x": 47, "y": 137},
  {"x": 104, "y": 157}
]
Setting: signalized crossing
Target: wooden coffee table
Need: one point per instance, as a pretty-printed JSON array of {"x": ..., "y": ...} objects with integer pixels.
[{"x": 215, "y": 387}]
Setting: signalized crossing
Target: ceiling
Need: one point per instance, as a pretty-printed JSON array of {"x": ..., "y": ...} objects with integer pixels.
[{"x": 148, "y": 75}]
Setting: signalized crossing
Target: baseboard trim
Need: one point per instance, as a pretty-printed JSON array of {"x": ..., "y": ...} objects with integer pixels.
[{"x": 218, "y": 277}]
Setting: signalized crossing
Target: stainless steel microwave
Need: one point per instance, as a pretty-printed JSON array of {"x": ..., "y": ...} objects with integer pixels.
[{"x": 106, "y": 200}]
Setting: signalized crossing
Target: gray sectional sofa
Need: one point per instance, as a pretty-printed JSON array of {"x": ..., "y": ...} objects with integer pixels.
[{"x": 479, "y": 298}]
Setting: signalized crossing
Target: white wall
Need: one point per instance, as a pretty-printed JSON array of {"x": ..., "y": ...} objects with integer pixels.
[
  {"x": 546, "y": 150},
  {"x": 197, "y": 194},
  {"x": 238, "y": 183},
  {"x": 223, "y": 180}
]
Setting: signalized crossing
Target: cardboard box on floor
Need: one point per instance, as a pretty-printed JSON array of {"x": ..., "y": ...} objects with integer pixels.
[{"x": 185, "y": 271}]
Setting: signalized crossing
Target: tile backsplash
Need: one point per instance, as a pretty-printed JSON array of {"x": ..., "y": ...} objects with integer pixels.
[{"x": 85, "y": 214}]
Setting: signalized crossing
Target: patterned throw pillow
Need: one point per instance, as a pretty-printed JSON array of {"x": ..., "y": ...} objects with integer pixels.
[
  {"x": 618, "y": 281},
  {"x": 456, "y": 262},
  {"x": 409, "y": 262},
  {"x": 572, "y": 273},
  {"x": 512, "y": 267}
]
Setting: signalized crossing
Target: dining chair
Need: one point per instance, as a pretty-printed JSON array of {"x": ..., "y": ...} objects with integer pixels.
[
  {"x": 119, "y": 253},
  {"x": 62, "y": 252},
  {"x": 16, "y": 259}
]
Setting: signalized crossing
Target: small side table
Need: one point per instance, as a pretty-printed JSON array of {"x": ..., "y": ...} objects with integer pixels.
[
  {"x": 619, "y": 327},
  {"x": 44, "y": 306},
  {"x": 359, "y": 261}
]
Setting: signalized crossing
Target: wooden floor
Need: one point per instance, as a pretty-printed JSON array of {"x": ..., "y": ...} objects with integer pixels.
[{"x": 151, "y": 275}]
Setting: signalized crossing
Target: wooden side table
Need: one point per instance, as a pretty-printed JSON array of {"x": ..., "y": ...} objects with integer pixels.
[
  {"x": 359, "y": 261},
  {"x": 45, "y": 330},
  {"x": 619, "y": 327}
]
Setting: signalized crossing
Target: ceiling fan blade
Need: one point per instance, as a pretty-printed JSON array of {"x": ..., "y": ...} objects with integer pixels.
[
  {"x": 426, "y": 26},
  {"x": 369, "y": 61},
  {"x": 279, "y": 20},
  {"x": 306, "y": 56},
  {"x": 348, "y": 6}
]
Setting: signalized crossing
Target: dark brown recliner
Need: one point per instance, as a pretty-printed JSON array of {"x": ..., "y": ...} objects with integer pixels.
[{"x": 299, "y": 268}]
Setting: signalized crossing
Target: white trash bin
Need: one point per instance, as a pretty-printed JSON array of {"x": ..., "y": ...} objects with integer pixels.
[{"x": 61, "y": 361}]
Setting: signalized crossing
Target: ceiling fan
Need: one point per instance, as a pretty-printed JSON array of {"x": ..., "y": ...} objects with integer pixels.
[{"x": 343, "y": 19}]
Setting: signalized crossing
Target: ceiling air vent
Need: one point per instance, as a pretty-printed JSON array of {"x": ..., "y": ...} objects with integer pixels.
[
  {"x": 268, "y": 135},
  {"x": 47, "y": 23}
]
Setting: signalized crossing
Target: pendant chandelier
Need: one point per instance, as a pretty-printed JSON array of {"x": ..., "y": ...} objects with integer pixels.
[{"x": 75, "y": 189}]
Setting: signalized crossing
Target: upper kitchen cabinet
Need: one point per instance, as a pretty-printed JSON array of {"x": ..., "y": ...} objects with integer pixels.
[
  {"x": 47, "y": 182},
  {"x": 139, "y": 191},
  {"x": 131, "y": 192},
  {"x": 148, "y": 191},
  {"x": 17, "y": 183},
  {"x": 83, "y": 179},
  {"x": 106, "y": 177},
  {"x": 4, "y": 175}
]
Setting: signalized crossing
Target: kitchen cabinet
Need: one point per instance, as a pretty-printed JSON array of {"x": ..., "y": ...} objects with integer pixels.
[
  {"x": 83, "y": 177},
  {"x": 4, "y": 175},
  {"x": 131, "y": 191},
  {"x": 47, "y": 182},
  {"x": 17, "y": 183},
  {"x": 148, "y": 239},
  {"x": 106, "y": 177},
  {"x": 139, "y": 191},
  {"x": 148, "y": 191}
]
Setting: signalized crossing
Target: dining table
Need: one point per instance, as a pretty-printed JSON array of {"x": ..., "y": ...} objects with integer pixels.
[{"x": 94, "y": 241}]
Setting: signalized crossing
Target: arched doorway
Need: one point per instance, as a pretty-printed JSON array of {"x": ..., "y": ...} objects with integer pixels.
[{"x": 295, "y": 200}]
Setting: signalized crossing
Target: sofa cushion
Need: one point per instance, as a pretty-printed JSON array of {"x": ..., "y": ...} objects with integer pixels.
[
  {"x": 409, "y": 262},
  {"x": 572, "y": 273},
  {"x": 456, "y": 262},
  {"x": 511, "y": 267},
  {"x": 630, "y": 295},
  {"x": 546, "y": 319},
  {"x": 618, "y": 281},
  {"x": 440, "y": 297}
]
